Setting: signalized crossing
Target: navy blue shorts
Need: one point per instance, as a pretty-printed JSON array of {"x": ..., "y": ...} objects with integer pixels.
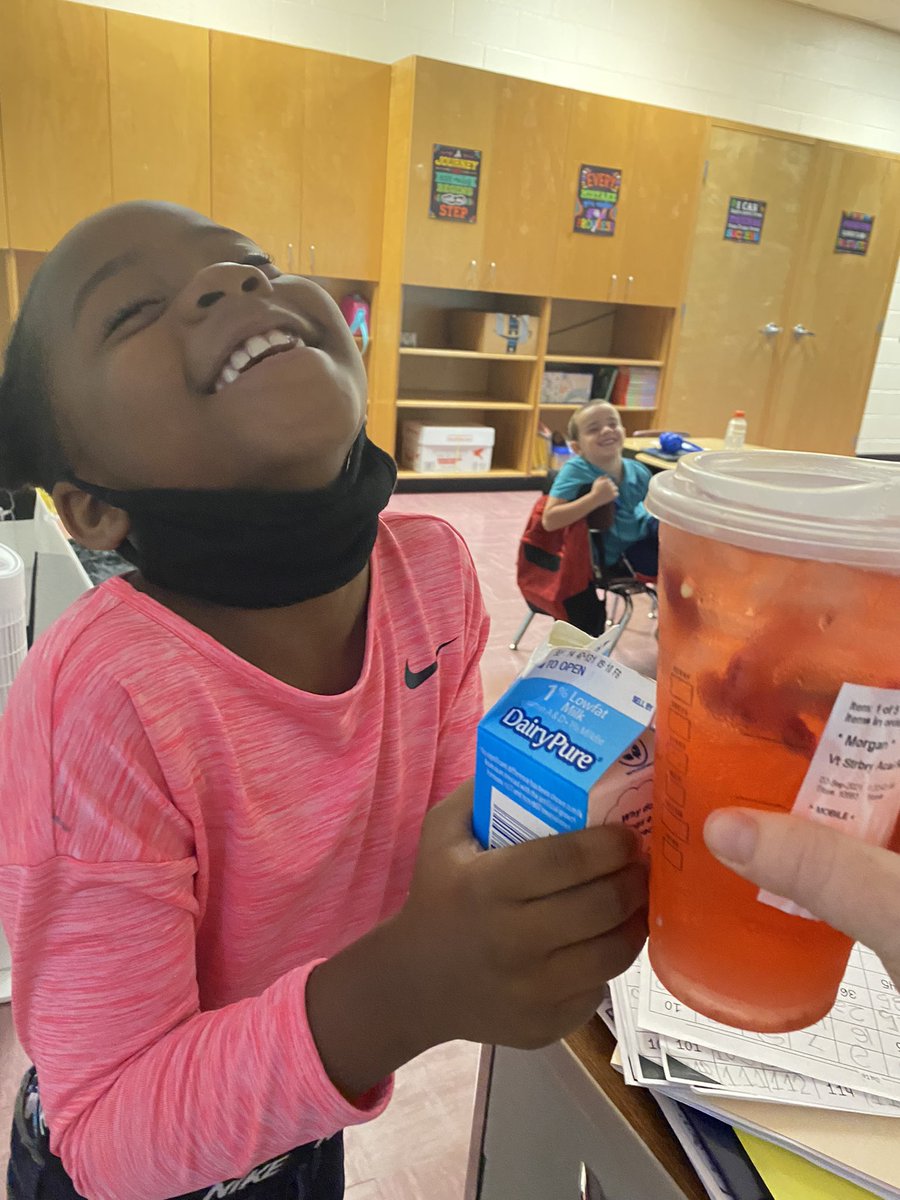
[{"x": 312, "y": 1172}]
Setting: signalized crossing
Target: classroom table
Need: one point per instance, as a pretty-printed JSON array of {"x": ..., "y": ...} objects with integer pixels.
[
  {"x": 561, "y": 1124},
  {"x": 635, "y": 448}
]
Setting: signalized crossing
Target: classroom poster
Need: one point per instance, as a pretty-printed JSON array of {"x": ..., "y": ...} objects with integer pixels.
[
  {"x": 455, "y": 175},
  {"x": 854, "y": 233},
  {"x": 745, "y": 220},
  {"x": 598, "y": 199}
]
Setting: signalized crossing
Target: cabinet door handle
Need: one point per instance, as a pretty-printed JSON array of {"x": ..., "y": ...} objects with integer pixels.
[
  {"x": 800, "y": 331},
  {"x": 312, "y": 259},
  {"x": 493, "y": 271},
  {"x": 613, "y": 280},
  {"x": 771, "y": 329},
  {"x": 290, "y": 258}
]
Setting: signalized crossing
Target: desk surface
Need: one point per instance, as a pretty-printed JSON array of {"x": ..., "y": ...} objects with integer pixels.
[
  {"x": 636, "y": 446},
  {"x": 593, "y": 1046}
]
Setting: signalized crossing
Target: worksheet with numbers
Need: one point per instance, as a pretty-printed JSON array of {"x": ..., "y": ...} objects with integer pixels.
[{"x": 856, "y": 1046}]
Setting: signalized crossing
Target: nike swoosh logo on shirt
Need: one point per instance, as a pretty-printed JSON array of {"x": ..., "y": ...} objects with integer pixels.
[{"x": 415, "y": 679}]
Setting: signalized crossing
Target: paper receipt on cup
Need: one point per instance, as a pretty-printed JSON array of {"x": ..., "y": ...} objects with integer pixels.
[{"x": 853, "y": 780}]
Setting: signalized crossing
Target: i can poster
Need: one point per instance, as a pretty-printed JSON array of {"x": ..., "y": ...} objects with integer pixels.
[
  {"x": 745, "y": 220},
  {"x": 854, "y": 233},
  {"x": 598, "y": 200},
  {"x": 455, "y": 175}
]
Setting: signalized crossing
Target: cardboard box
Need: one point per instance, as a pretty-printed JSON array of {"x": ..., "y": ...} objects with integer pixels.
[
  {"x": 566, "y": 387},
  {"x": 456, "y": 449},
  {"x": 493, "y": 333},
  {"x": 567, "y": 746}
]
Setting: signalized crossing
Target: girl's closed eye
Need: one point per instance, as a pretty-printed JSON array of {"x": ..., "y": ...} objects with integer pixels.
[{"x": 129, "y": 311}]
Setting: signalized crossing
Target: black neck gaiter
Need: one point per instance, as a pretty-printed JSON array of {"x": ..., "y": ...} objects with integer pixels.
[{"x": 249, "y": 548}]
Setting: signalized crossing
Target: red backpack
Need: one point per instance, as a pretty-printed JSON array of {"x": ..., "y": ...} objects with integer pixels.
[{"x": 554, "y": 567}]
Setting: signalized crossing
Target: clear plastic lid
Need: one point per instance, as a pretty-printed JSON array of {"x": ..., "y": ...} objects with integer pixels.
[{"x": 818, "y": 506}]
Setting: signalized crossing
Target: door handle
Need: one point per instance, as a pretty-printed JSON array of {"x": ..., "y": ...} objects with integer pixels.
[
  {"x": 290, "y": 257},
  {"x": 493, "y": 271},
  {"x": 613, "y": 281},
  {"x": 800, "y": 331},
  {"x": 771, "y": 329},
  {"x": 628, "y": 282},
  {"x": 312, "y": 260}
]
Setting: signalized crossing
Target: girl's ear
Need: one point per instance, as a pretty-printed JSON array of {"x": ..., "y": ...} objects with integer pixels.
[{"x": 89, "y": 521}]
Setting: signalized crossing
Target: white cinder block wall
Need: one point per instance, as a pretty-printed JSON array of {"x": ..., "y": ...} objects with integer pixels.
[
  {"x": 767, "y": 62},
  {"x": 880, "y": 431}
]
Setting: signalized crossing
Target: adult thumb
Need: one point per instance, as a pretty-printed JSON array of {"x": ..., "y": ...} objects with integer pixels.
[{"x": 845, "y": 882}]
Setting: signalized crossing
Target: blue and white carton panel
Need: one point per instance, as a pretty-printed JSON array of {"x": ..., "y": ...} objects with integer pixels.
[{"x": 567, "y": 746}]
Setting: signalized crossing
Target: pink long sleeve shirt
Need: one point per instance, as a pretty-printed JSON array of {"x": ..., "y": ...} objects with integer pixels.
[{"x": 183, "y": 838}]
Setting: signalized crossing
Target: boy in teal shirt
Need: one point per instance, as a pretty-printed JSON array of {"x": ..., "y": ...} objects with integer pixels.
[{"x": 596, "y": 475}]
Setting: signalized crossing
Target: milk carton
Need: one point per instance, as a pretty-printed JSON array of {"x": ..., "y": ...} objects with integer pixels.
[{"x": 567, "y": 746}]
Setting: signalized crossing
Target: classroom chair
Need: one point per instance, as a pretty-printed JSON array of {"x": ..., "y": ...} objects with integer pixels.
[{"x": 556, "y": 569}]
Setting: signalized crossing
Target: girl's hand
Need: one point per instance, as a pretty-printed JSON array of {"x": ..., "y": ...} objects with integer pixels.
[
  {"x": 849, "y": 884},
  {"x": 515, "y": 946}
]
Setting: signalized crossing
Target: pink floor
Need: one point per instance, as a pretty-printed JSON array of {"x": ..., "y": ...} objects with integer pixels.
[{"x": 417, "y": 1150}]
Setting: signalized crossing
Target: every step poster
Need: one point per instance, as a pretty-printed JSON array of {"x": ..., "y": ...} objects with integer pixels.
[
  {"x": 455, "y": 175},
  {"x": 598, "y": 199}
]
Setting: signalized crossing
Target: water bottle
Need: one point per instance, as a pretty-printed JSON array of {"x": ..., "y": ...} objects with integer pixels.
[{"x": 736, "y": 431}]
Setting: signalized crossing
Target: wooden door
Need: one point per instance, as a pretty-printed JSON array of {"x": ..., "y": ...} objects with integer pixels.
[
  {"x": 159, "y": 110},
  {"x": 257, "y": 141},
  {"x": 54, "y": 101},
  {"x": 344, "y": 162},
  {"x": 526, "y": 180},
  {"x": 820, "y": 393},
  {"x": 453, "y": 106},
  {"x": 723, "y": 361},
  {"x": 601, "y": 134},
  {"x": 658, "y": 211}
]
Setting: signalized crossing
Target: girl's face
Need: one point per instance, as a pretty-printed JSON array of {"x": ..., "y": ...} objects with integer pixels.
[{"x": 177, "y": 355}]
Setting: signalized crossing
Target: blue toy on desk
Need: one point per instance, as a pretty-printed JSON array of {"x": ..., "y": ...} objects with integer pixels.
[{"x": 674, "y": 443}]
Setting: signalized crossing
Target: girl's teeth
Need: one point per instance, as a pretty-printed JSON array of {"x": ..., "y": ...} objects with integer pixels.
[
  {"x": 256, "y": 345},
  {"x": 229, "y": 374},
  {"x": 239, "y": 359},
  {"x": 279, "y": 338}
]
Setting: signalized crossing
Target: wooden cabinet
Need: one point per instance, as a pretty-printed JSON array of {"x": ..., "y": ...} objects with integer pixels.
[
  {"x": 525, "y": 173},
  {"x": 736, "y": 290},
  {"x": 520, "y": 128},
  {"x": 601, "y": 134},
  {"x": 159, "y": 110},
  {"x": 299, "y": 141},
  {"x": 660, "y": 155},
  {"x": 257, "y": 135},
  {"x": 787, "y": 328},
  {"x": 452, "y": 106},
  {"x": 54, "y": 100},
  {"x": 660, "y": 194},
  {"x": 833, "y": 313},
  {"x": 343, "y": 169}
]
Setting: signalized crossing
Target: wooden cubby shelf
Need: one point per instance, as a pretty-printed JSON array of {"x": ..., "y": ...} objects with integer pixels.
[
  {"x": 587, "y": 360},
  {"x": 465, "y": 403},
  {"x": 434, "y": 352},
  {"x": 570, "y": 408}
]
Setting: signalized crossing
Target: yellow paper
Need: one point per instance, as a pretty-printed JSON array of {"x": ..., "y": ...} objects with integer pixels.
[{"x": 790, "y": 1177}]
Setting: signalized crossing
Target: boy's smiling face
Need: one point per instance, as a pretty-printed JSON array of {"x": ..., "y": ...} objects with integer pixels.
[
  {"x": 177, "y": 355},
  {"x": 600, "y": 434}
]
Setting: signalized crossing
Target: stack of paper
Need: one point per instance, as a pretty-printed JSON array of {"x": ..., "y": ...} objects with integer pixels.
[{"x": 830, "y": 1093}]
